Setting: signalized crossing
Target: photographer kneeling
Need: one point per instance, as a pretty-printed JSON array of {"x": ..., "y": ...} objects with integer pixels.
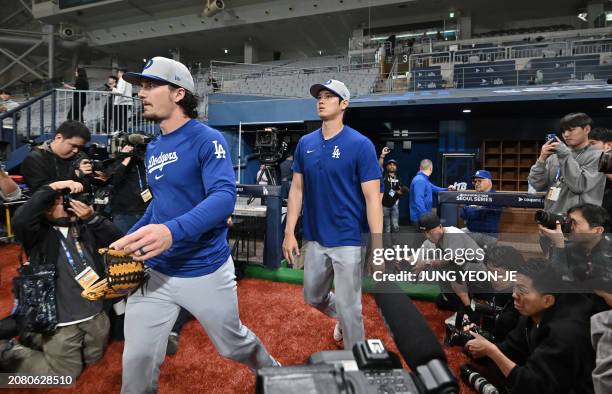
[
  {"x": 55, "y": 228},
  {"x": 549, "y": 351}
]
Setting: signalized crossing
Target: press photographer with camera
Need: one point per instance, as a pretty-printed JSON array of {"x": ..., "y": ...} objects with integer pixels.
[
  {"x": 131, "y": 194},
  {"x": 53, "y": 160},
  {"x": 58, "y": 227},
  {"x": 601, "y": 138},
  {"x": 568, "y": 171},
  {"x": 587, "y": 255},
  {"x": 393, "y": 191},
  {"x": 549, "y": 351}
]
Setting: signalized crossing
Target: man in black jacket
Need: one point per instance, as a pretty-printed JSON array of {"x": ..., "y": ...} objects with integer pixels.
[
  {"x": 130, "y": 195},
  {"x": 53, "y": 160},
  {"x": 549, "y": 351},
  {"x": 68, "y": 239}
]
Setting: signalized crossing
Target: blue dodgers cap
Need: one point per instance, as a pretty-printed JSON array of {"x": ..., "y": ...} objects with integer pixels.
[
  {"x": 392, "y": 161},
  {"x": 483, "y": 174},
  {"x": 334, "y": 86},
  {"x": 165, "y": 70}
]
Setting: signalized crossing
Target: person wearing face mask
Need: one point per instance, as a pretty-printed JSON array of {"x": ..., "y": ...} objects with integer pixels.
[{"x": 66, "y": 233}]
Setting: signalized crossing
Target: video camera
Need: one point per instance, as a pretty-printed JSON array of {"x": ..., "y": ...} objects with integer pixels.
[
  {"x": 369, "y": 367},
  {"x": 119, "y": 140},
  {"x": 378, "y": 371},
  {"x": 270, "y": 147}
]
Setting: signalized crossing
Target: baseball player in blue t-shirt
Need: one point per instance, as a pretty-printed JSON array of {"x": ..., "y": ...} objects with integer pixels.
[
  {"x": 336, "y": 177},
  {"x": 182, "y": 235}
]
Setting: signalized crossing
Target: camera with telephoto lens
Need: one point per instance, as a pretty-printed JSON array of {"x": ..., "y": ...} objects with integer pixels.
[
  {"x": 476, "y": 380},
  {"x": 549, "y": 220},
  {"x": 457, "y": 336},
  {"x": 84, "y": 197},
  {"x": 487, "y": 308},
  {"x": 605, "y": 162}
]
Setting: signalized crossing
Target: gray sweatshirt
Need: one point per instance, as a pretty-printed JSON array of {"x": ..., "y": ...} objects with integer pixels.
[
  {"x": 601, "y": 336},
  {"x": 580, "y": 181}
]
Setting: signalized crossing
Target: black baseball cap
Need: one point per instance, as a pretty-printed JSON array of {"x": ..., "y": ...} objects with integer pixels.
[{"x": 428, "y": 221}]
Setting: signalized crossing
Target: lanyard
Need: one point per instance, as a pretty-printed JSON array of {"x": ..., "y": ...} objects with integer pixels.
[
  {"x": 139, "y": 177},
  {"x": 69, "y": 257}
]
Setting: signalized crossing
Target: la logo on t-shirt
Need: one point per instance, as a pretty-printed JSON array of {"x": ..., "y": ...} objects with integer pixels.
[{"x": 336, "y": 152}]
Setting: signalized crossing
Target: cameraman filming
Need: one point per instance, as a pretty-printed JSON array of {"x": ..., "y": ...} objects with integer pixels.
[
  {"x": 549, "y": 351},
  {"x": 131, "y": 193},
  {"x": 56, "y": 228},
  {"x": 569, "y": 172}
]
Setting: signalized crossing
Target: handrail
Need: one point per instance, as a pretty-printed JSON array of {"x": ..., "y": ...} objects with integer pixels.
[{"x": 26, "y": 104}]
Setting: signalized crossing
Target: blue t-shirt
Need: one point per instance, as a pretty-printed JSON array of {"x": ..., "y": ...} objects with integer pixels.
[
  {"x": 421, "y": 196},
  {"x": 333, "y": 171},
  {"x": 192, "y": 180}
]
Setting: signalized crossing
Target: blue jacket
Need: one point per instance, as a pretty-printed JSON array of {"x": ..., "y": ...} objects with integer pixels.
[
  {"x": 482, "y": 219},
  {"x": 421, "y": 195}
]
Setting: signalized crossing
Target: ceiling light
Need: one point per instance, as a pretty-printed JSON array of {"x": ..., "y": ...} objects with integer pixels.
[
  {"x": 467, "y": 111},
  {"x": 226, "y": 51},
  {"x": 609, "y": 107},
  {"x": 583, "y": 16},
  {"x": 451, "y": 14}
]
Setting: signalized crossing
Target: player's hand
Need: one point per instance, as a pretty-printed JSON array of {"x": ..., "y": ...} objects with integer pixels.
[
  {"x": 452, "y": 187},
  {"x": 74, "y": 187},
  {"x": 290, "y": 248},
  {"x": 82, "y": 210},
  {"x": 479, "y": 346},
  {"x": 548, "y": 149},
  {"x": 146, "y": 242}
]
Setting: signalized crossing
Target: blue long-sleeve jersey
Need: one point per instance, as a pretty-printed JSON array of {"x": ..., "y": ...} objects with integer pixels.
[
  {"x": 192, "y": 180},
  {"x": 421, "y": 195}
]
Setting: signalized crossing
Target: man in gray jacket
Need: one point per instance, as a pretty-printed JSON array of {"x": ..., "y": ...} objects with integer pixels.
[{"x": 568, "y": 171}]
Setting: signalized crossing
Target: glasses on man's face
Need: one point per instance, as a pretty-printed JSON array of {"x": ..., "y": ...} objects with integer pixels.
[
  {"x": 325, "y": 96},
  {"x": 477, "y": 181}
]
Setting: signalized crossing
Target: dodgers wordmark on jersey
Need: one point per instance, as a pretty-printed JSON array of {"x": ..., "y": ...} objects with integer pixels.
[
  {"x": 333, "y": 170},
  {"x": 194, "y": 192}
]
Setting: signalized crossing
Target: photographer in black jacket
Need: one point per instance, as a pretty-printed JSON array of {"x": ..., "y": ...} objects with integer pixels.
[
  {"x": 68, "y": 239},
  {"x": 131, "y": 194},
  {"x": 549, "y": 351},
  {"x": 53, "y": 160}
]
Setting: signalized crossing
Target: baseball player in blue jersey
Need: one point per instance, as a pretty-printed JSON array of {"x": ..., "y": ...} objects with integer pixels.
[
  {"x": 182, "y": 235},
  {"x": 336, "y": 179}
]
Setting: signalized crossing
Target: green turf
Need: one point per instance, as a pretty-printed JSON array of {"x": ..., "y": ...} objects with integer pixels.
[{"x": 290, "y": 275}]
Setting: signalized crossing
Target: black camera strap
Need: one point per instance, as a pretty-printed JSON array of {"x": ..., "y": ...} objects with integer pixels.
[{"x": 78, "y": 258}]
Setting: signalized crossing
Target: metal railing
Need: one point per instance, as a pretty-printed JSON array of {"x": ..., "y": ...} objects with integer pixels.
[{"x": 102, "y": 112}]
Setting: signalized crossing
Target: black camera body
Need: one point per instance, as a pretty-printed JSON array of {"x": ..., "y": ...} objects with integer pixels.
[
  {"x": 605, "y": 162},
  {"x": 549, "y": 220},
  {"x": 84, "y": 197},
  {"x": 457, "y": 336},
  {"x": 376, "y": 371}
]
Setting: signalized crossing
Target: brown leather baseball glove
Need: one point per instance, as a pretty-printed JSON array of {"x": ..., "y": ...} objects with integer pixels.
[{"x": 123, "y": 276}]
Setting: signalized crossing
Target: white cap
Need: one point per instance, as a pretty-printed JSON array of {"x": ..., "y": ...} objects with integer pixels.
[
  {"x": 165, "y": 70},
  {"x": 334, "y": 86}
]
